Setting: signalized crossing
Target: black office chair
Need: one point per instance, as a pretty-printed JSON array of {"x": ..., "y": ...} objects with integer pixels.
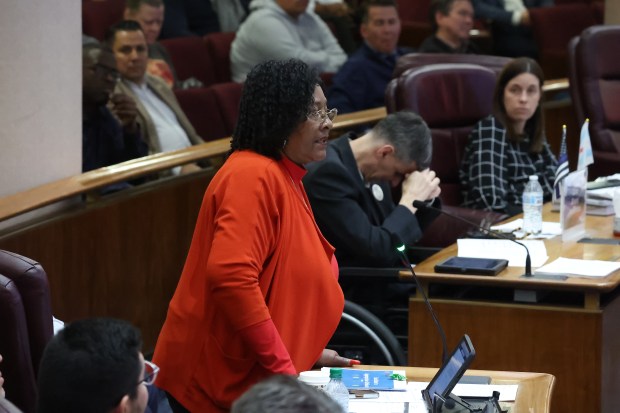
[{"x": 363, "y": 336}]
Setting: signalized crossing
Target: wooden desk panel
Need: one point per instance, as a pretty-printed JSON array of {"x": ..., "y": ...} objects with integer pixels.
[
  {"x": 533, "y": 395},
  {"x": 572, "y": 332}
]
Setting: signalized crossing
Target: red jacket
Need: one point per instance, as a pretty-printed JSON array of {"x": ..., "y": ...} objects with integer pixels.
[{"x": 256, "y": 255}]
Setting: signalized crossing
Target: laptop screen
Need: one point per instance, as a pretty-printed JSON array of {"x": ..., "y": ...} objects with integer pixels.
[{"x": 451, "y": 372}]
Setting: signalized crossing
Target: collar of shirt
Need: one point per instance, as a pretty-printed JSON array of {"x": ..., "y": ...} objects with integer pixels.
[{"x": 295, "y": 171}]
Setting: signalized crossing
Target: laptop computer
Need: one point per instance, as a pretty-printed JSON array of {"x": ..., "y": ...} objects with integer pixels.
[{"x": 438, "y": 392}]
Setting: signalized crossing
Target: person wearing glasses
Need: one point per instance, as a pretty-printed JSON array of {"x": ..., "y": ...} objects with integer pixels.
[
  {"x": 259, "y": 292},
  {"x": 94, "y": 365},
  {"x": 110, "y": 135}
]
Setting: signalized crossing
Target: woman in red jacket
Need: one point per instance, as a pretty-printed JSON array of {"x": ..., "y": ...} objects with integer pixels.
[{"x": 259, "y": 292}]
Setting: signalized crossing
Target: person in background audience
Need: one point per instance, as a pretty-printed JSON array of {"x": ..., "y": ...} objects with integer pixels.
[
  {"x": 110, "y": 135},
  {"x": 284, "y": 29},
  {"x": 94, "y": 365},
  {"x": 259, "y": 291},
  {"x": 510, "y": 25},
  {"x": 451, "y": 20},
  {"x": 189, "y": 18},
  {"x": 5, "y": 405},
  {"x": 162, "y": 122},
  {"x": 361, "y": 82},
  {"x": 150, "y": 15},
  {"x": 508, "y": 146},
  {"x": 284, "y": 394},
  {"x": 339, "y": 16},
  {"x": 231, "y": 13}
]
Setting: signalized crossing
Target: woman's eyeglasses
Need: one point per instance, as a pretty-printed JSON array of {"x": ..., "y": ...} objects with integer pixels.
[{"x": 322, "y": 115}]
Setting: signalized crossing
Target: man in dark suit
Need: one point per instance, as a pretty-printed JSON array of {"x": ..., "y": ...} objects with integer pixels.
[{"x": 351, "y": 190}]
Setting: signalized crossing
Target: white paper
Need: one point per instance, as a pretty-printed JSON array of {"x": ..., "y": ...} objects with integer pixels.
[
  {"x": 549, "y": 229},
  {"x": 504, "y": 249},
  {"x": 395, "y": 402},
  {"x": 580, "y": 268}
]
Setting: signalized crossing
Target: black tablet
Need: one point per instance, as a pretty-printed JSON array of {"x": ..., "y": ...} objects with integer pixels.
[
  {"x": 450, "y": 373},
  {"x": 467, "y": 265}
]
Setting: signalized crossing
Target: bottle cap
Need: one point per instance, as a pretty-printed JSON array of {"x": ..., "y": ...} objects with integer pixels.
[
  {"x": 533, "y": 177},
  {"x": 335, "y": 373}
]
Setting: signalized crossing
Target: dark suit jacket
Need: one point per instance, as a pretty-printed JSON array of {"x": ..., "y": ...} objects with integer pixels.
[{"x": 359, "y": 226}]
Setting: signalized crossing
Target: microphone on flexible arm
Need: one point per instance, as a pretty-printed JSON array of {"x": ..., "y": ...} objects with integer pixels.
[
  {"x": 528, "y": 261},
  {"x": 400, "y": 247}
]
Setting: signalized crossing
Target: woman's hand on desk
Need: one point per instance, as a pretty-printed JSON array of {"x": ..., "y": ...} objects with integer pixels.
[{"x": 330, "y": 358}]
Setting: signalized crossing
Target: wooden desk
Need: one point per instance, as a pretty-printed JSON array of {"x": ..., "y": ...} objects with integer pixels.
[
  {"x": 533, "y": 395},
  {"x": 572, "y": 331}
]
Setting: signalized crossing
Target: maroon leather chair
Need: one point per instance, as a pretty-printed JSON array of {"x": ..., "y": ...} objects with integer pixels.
[
  {"x": 212, "y": 110},
  {"x": 553, "y": 28},
  {"x": 413, "y": 60},
  {"x": 98, "y": 15},
  {"x": 191, "y": 58},
  {"x": 26, "y": 325},
  {"x": 218, "y": 47},
  {"x": 595, "y": 85},
  {"x": 451, "y": 98},
  {"x": 227, "y": 97}
]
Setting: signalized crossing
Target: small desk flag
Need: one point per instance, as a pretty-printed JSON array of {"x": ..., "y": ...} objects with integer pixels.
[
  {"x": 585, "y": 147},
  {"x": 562, "y": 170}
]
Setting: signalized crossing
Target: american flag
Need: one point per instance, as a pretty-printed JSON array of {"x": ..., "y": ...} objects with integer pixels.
[{"x": 562, "y": 170}]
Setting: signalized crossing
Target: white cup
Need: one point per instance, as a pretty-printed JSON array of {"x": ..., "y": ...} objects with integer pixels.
[{"x": 315, "y": 378}]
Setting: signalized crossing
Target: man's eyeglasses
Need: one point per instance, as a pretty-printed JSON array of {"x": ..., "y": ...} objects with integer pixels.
[
  {"x": 104, "y": 71},
  {"x": 322, "y": 115},
  {"x": 150, "y": 372}
]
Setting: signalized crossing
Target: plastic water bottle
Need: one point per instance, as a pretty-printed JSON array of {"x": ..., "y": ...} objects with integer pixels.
[
  {"x": 532, "y": 206},
  {"x": 337, "y": 390}
]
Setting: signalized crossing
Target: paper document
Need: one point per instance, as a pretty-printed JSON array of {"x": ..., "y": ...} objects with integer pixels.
[
  {"x": 549, "y": 229},
  {"x": 580, "y": 268},
  {"x": 411, "y": 401},
  {"x": 504, "y": 249}
]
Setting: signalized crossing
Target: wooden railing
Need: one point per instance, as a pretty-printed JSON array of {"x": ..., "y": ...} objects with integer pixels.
[{"x": 31, "y": 199}]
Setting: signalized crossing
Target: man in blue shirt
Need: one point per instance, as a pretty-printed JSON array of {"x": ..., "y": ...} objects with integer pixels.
[{"x": 360, "y": 83}]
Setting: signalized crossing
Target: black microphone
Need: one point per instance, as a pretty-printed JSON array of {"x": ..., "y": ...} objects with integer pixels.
[
  {"x": 400, "y": 247},
  {"x": 528, "y": 261}
]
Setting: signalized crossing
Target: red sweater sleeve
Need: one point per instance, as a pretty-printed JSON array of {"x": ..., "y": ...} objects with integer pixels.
[{"x": 266, "y": 342}]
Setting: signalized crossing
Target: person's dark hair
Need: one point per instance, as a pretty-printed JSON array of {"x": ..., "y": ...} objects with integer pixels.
[
  {"x": 442, "y": 6},
  {"x": 534, "y": 126},
  {"x": 89, "y": 366},
  {"x": 122, "y": 26},
  {"x": 284, "y": 394},
  {"x": 366, "y": 5},
  {"x": 134, "y": 5},
  {"x": 277, "y": 97},
  {"x": 409, "y": 135}
]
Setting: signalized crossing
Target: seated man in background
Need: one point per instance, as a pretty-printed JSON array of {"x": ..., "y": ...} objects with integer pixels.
[
  {"x": 351, "y": 190},
  {"x": 284, "y": 29},
  {"x": 510, "y": 25},
  {"x": 5, "y": 405},
  {"x": 451, "y": 20},
  {"x": 185, "y": 18},
  {"x": 150, "y": 15},
  {"x": 360, "y": 83},
  {"x": 284, "y": 394},
  {"x": 94, "y": 365},
  {"x": 162, "y": 122},
  {"x": 110, "y": 135}
]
